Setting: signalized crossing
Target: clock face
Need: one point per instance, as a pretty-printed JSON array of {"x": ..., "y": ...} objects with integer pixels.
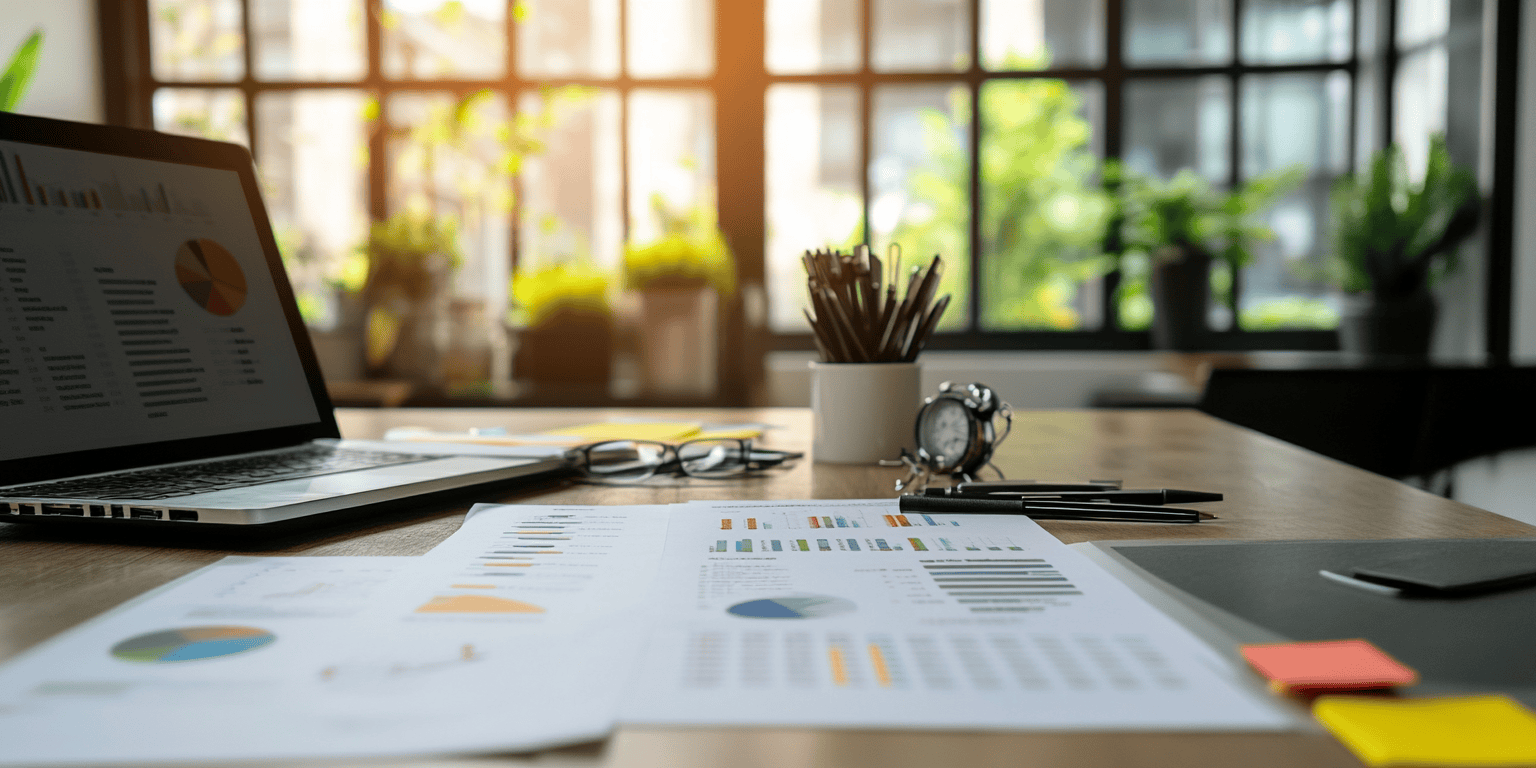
[{"x": 945, "y": 431}]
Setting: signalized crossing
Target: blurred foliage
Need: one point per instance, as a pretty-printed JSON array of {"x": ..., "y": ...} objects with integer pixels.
[
  {"x": 1395, "y": 238},
  {"x": 1290, "y": 313},
  {"x": 541, "y": 293},
  {"x": 409, "y": 258},
  {"x": 1042, "y": 214},
  {"x": 1164, "y": 220},
  {"x": 18, "y": 74},
  {"x": 691, "y": 252}
]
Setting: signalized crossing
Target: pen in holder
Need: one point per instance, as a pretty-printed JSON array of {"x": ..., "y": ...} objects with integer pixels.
[{"x": 865, "y": 391}]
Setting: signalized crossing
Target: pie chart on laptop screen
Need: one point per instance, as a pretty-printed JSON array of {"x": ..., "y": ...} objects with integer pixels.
[{"x": 211, "y": 276}]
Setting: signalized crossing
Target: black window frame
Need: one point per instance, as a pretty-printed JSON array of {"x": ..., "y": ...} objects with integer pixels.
[{"x": 739, "y": 85}]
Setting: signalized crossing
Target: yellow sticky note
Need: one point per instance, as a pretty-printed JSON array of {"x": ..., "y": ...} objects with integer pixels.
[
  {"x": 1458, "y": 730},
  {"x": 665, "y": 431},
  {"x": 745, "y": 433}
]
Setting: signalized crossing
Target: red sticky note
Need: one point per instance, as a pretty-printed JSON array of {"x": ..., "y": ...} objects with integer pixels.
[{"x": 1333, "y": 665}]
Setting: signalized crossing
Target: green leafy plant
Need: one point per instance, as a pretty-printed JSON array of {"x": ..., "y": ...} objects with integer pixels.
[
  {"x": 544, "y": 293},
  {"x": 1394, "y": 238},
  {"x": 1043, "y": 215},
  {"x": 409, "y": 257},
  {"x": 1167, "y": 220},
  {"x": 690, "y": 252},
  {"x": 19, "y": 72},
  {"x": 1184, "y": 216}
]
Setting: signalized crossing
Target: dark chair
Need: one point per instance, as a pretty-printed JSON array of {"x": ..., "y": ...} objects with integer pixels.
[{"x": 1399, "y": 422}]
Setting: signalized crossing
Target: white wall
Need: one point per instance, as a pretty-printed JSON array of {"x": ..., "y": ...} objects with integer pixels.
[{"x": 68, "y": 82}]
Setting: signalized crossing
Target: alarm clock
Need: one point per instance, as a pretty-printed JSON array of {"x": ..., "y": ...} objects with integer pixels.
[{"x": 956, "y": 432}]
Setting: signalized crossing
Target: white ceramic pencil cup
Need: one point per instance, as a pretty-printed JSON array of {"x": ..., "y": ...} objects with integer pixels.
[{"x": 864, "y": 412}]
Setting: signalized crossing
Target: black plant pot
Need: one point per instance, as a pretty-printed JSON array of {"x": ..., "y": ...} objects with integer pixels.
[
  {"x": 1181, "y": 301},
  {"x": 1402, "y": 325}
]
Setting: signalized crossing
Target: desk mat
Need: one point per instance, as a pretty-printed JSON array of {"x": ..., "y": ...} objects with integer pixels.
[{"x": 1474, "y": 643}]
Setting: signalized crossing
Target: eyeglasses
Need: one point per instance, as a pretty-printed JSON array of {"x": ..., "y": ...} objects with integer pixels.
[{"x": 633, "y": 461}]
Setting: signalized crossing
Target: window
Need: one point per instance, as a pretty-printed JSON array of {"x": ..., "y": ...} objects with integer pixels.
[
  {"x": 969, "y": 128},
  {"x": 871, "y": 133}
]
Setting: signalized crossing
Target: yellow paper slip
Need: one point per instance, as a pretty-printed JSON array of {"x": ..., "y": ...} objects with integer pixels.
[
  {"x": 1460, "y": 730},
  {"x": 616, "y": 430}
]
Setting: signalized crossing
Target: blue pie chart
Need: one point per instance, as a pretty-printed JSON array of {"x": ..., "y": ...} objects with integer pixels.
[
  {"x": 799, "y": 607},
  {"x": 190, "y": 644}
]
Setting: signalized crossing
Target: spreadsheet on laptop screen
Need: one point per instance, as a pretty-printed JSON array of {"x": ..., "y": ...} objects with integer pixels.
[{"x": 136, "y": 306}]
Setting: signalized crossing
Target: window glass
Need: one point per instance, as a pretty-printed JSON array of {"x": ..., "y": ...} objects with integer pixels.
[
  {"x": 426, "y": 39},
  {"x": 1035, "y": 34},
  {"x": 921, "y": 35},
  {"x": 1175, "y": 124},
  {"x": 568, "y": 38},
  {"x": 1293, "y": 120},
  {"x": 447, "y": 159},
  {"x": 919, "y": 181},
  {"x": 1161, "y": 32},
  {"x": 314, "y": 161},
  {"x": 1420, "y": 21},
  {"x": 813, "y": 194},
  {"x": 207, "y": 113},
  {"x": 1420, "y": 96},
  {"x": 308, "y": 39},
  {"x": 572, "y": 199},
  {"x": 670, "y": 38},
  {"x": 196, "y": 40},
  {"x": 811, "y": 36},
  {"x": 671, "y": 158},
  {"x": 1043, "y": 212},
  {"x": 1285, "y": 31}
]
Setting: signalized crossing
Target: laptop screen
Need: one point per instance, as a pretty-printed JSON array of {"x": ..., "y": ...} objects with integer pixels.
[{"x": 137, "y": 306}]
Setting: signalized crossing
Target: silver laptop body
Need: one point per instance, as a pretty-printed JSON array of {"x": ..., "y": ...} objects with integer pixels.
[{"x": 153, "y": 364}]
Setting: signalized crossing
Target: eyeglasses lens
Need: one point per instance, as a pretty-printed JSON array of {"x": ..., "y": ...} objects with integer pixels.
[
  {"x": 713, "y": 458},
  {"x": 625, "y": 459}
]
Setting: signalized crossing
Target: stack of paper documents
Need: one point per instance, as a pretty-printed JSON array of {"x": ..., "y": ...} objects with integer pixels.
[{"x": 538, "y": 625}]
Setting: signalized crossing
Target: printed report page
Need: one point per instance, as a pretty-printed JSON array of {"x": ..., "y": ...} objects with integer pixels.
[{"x": 851, "y": 614}]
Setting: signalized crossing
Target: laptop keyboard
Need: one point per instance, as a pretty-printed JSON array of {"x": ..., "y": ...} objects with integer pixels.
[{"x": 215, "y": 475}]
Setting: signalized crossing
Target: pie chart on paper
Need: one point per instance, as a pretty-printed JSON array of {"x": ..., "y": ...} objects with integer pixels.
[
  {"x": 190, "y": 644},
  {"x": 211, "y": 276}
]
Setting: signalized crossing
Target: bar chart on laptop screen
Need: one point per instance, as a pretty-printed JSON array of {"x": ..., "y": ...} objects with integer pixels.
[{"x": 136, "y": 299}]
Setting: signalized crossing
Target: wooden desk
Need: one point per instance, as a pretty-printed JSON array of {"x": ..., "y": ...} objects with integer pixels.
[{"x": 52, "y": 581}]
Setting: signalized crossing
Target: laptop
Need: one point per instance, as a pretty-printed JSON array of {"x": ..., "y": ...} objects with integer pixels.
[{"x": 154, "y": 369}]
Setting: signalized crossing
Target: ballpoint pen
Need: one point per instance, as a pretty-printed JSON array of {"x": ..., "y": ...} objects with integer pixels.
[
  {"x": 1136, "y": 496},
  {"x": 1051, "y": 510},
  {"x": 989, "y": 486}
]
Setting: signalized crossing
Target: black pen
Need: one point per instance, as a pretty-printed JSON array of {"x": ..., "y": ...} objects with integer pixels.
[
  {"x": 1051, "y": 510},
  {"x": 1138, "y": 496},
  {"x": 990, "y": 486}
]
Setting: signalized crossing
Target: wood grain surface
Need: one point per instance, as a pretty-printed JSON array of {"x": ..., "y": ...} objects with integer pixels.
[{"x": 51, "y": 580}]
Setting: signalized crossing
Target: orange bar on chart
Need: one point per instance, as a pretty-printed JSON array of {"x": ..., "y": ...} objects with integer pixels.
[
  {"x": 725, "y": 524},
  {"x": 891, "y": 521},
  {"x": 751, "y": 523},
  {"x": 839, "y": 667},
  {"x": 903, "y": 520},
  {"x": 877, "y": 660}
]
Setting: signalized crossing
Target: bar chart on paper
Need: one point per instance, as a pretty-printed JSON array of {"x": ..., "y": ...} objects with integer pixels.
[{"x": 533, "y": 564}]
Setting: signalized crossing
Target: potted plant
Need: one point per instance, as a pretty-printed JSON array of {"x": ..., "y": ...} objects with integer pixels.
[
  {"x": 1180, "y": 227},
  {"x": 1392, "y": 240},
  {"x": 410, "y": 257},
  {"x": 680, "y": 279},
  {"x": 564, "y": 320}
]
